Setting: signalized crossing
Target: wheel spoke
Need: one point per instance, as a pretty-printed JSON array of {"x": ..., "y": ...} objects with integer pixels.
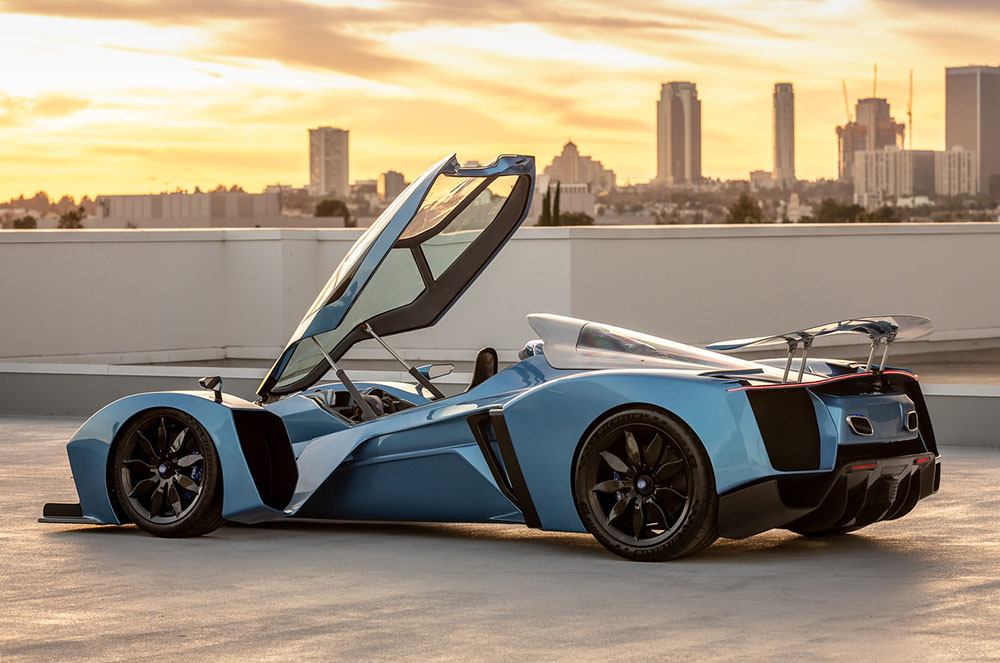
[
  {"x": 178, "y": 442},
  {"x": 143, "y": 487},
  {"x": 614, "y": 461},
  {"x": 174, "y": 498},
  {"x": 188, "y": 484},
  {"x": 632, "y": 449},
  {"x": 652, "y": 453},
  {"x": 611, "y": 486},
  {"x": 146, "y": 445},
  {"x": 161, "y": 436},
  {"x": 668, "y": 470},
  {"x": 676, "y": 494},
  {"x": 189, "y": 460},
  {"x": 137, "y": 465},
  {"x": 656, "y": 515},
  {"x": 638, "y": 520},
  {"x": 620, "y": 507},
  {"x": 157, "y": 502}
]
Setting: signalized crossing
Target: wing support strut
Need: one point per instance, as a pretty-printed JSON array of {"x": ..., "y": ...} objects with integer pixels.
[
  {"x": 884, "y": 337},
  {"x": 793, "y": 343}
]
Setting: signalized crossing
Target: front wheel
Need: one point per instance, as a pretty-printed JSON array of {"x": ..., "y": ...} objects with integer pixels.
[
  {"x": 644, "y": 487},
  {"x": 166, "y": 474}
]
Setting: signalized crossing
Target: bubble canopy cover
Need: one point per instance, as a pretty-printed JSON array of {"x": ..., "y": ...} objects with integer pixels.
[{"x": 410, "y": 265}]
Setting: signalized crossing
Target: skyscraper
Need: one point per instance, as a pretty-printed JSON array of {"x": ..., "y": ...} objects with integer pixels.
[
  {"x": 872, "y": 129},
  {"x": 972, "y": 119},
  {"x": 678, "y": 134},
  {"x": 784, "y": 133},
  {"x": 328, "y": 162}
]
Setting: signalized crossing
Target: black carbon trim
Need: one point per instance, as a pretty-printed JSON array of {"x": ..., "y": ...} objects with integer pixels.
[
  {"x": 478, "y": 422},
  {"x": 58, "y": 510},
  {"x": 517, "y": 483},
  {"x": 787, "y": 422},
  {"x": 883, "y": 487},
  {"x": 268, "y": 454}
]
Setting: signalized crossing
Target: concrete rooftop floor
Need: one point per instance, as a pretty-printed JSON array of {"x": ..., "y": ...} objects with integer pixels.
[{"x": 923, "y": 588}]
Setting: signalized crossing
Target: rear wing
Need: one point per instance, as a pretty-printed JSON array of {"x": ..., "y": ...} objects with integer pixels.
[{"x": 879, "y": 329}]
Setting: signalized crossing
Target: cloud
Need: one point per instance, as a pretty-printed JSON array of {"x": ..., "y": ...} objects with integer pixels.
[{"x": 21, "y": 111}]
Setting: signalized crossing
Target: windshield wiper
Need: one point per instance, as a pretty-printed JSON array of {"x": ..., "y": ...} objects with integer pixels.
[
  {"x": 367, "y": 413},
  {"x": 417, "y": 375}
]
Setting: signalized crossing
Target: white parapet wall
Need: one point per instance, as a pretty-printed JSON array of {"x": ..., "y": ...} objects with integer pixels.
[{"x": 117, "y": 296}]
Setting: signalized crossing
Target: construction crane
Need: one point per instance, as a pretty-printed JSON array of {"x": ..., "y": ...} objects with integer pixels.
[
  {"x": 847, "y": 106},
  {"x": 909, "y": 111}
]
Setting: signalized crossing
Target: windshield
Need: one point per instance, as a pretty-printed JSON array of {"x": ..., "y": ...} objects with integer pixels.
[
  {"x": 345, "y": 270},
  {"x": 455, "y": 212}
]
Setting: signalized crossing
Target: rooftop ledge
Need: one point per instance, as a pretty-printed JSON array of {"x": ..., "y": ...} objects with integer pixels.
[{"x": 530, "y": 232}]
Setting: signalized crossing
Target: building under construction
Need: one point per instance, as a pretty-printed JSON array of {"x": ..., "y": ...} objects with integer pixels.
[{"x": 873, "y": 128}]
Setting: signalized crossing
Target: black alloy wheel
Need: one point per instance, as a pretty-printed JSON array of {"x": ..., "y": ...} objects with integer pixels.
[
  {"x": 166, "y": 474},
  {"x": 644, "y": 487}
]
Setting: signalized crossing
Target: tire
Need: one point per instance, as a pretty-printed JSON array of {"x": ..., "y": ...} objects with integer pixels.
[
  {"x": 645, "y": 500},
  {"x": 166, "y": 474}
]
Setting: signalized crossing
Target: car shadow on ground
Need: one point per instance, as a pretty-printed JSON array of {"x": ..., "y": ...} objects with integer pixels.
[{"x": 768, "y": 547}]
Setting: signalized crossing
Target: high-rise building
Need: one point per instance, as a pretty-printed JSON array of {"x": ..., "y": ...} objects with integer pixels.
[
  {"x": 678, "y": 134},
  {"x": 872, "y": 129},
  {"x": 881, "y": 176},
  {"x": 571, "y": 166},
  {"x": 390, "y": 185},
  {"x": 972, "y": 119},
  {"x": 784, "y": 133},
  {"x": 328, "y": 162},
  {"x": 955, "y": 173}
]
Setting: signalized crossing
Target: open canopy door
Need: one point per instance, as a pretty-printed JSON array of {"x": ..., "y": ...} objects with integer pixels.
[{"x": 411, "y": 265}]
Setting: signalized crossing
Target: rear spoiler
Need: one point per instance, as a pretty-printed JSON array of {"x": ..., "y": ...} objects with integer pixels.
[{"x": 878, "y": 328}]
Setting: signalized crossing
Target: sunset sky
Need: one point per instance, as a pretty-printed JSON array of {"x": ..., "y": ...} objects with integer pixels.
[{"x": 125, "y": 97}]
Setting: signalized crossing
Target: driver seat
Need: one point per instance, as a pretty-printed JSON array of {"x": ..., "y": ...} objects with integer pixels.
[{"x": 484, "y": 368}]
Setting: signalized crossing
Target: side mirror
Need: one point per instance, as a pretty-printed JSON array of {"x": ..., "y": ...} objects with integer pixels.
[
  {"x": 435, "y": 371},
  {"x": 213, "y": 383}
]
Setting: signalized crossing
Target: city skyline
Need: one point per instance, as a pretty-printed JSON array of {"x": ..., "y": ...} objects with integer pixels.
[{"x": 139, "y": 96}]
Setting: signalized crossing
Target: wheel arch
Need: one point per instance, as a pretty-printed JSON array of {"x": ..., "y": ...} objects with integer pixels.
[{"x": 548, "y": 423}]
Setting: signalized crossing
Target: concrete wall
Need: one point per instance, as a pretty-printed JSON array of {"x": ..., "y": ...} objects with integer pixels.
[{"x": 169, "y": 295}]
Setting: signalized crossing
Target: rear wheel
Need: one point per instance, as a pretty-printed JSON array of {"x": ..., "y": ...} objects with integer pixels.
[
  {"x": 166, "y": 474},
  {"x": 644, "y": 488}
]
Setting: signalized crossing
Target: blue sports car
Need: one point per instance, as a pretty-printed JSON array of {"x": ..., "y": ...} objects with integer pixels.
[{"x": 656, "y": 448}]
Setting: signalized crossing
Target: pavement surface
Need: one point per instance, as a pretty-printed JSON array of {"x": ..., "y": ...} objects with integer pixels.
[{"x": 922, "y": 588}]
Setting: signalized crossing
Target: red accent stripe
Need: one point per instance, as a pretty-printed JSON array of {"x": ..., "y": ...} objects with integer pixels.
[
  {"x": 792, "y": 385},
  {"x": 922, "y": 460},
  {"x": 867, "y": 466}
]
